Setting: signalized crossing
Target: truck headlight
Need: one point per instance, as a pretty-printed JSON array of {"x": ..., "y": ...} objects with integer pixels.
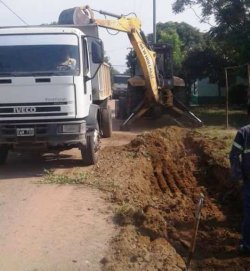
[{"x": 70, "y": 128}]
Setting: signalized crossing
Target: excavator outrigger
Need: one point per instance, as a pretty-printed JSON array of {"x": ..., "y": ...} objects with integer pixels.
[{"x": 154, "y": 85}]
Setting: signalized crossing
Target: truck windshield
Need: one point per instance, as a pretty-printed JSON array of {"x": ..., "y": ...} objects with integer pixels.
[
  {"x": 23, "y": 57},
  {"x": 121, "y": 79}
]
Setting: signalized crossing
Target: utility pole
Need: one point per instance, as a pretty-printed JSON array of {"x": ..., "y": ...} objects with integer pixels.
[
  {"x": 154, "y": 21},
  {"x": 226, "y": 77}
]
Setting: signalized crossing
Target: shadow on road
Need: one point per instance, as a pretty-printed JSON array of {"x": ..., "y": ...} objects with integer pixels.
[{"x": 29, "y": 165}]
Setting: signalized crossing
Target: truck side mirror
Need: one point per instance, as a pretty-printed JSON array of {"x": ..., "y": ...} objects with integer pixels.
[{"x": 97, "y": 51}]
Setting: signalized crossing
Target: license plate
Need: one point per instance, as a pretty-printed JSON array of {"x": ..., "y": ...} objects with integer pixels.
[{"x": 25, "y": 132}]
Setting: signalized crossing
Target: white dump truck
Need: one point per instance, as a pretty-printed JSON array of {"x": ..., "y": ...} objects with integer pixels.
[{"x": 54, "y": 90}]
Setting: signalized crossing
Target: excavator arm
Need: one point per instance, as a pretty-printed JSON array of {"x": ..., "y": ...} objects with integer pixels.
[{"x": 146, "y": 56}]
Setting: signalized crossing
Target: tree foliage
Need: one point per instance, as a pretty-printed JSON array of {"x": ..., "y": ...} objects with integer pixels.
[
  {"x": 232, "y": 29},
  {"x": 195, "y": 54},
  {"x": 173, "y": 38},
  {"x": 205, "y": 63},
  {"x": 189, "y": 36},
  {"x": 182, "y": 37}
]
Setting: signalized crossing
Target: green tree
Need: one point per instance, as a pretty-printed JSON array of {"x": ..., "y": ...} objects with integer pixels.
[
  {"x": 232, "y": 29},
  {"x": 173, "y": 38},
  {"x": 183, "y": 38},
  {"x": 190, "y": 37},
  {"x": 191, "y": 52},
  {"x": 131, "y": 62},
  {"x": 112, "y": 69},
  {"x": 205, "y": 63},
  {"x": 199, "y": 55}
]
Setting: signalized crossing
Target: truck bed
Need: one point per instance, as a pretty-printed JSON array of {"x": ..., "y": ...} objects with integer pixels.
[{"x": 101, "y": 84}]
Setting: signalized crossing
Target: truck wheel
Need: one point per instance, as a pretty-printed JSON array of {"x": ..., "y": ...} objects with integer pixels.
[
  {"x": 90, "y": 151},
  {"x": 3, "y": 154},
  {"x": 106, "y": 122}
]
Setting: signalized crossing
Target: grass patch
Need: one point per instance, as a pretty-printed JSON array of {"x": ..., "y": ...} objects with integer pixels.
[
  {"x": 214, "y": 119},
  {"x": 215, "y": 134},
  {"x": 216, "y": 116},
  {"x": 75, "y": 178},
  {"x": 84, "y": 178},
  {"x": 220, "y": 133},
  {"x": 124, "y": 214}
]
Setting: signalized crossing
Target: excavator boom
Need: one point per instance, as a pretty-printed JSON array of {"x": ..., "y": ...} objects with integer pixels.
[
  {"x": 156, "y": 87},
  {"x": 146, "y": 56}
]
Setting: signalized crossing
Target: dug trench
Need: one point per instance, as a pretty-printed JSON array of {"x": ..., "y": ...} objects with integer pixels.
[{"x": 155, "y": 182}]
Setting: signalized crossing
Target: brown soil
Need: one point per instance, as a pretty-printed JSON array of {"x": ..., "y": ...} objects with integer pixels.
[{"x": 155, "y": 182}]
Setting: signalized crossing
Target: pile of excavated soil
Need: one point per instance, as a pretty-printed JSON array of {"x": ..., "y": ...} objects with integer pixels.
[{"x": 156, "y": 181}]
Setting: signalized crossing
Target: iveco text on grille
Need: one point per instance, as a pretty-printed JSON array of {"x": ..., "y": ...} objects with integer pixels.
[{"x": 24, "y": 109}]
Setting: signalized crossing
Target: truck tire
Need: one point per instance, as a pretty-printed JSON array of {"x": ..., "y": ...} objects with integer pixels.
[
  {"x": 90, "y": 151},
  {"x": 3, "y": 154},
  {"x": 106, "y": 122}
]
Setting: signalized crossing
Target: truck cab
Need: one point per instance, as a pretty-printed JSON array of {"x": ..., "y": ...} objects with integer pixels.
[
  {"x": 48, "y": 98},
  {"x": 120, "y": 85}
]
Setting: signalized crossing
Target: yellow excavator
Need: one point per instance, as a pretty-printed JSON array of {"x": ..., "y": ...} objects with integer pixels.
[{"x": 151, "y": 86}]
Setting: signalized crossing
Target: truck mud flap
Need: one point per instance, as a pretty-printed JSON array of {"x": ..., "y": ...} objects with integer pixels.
[{"x": 92, "y": 119}]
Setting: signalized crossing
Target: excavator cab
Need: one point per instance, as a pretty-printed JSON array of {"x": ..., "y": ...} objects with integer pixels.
[{"x": 164, "y": 64}]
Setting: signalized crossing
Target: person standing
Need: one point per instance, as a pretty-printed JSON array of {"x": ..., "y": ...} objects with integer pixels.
[
  {"x": 240, "y": 170},
  {"x": 248, "y": 102}
]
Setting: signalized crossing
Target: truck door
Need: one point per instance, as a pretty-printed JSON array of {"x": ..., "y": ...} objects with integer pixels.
[{"x": 86, "y": 68}]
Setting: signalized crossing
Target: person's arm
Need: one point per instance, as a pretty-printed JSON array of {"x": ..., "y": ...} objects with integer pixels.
[{"x": 235, "y": 157}]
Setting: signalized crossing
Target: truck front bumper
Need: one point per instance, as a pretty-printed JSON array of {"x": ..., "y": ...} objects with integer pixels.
[{"x": 63, "y": 134}]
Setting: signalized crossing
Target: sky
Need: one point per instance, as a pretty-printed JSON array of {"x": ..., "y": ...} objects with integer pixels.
[{"x": 116, "y": 46}]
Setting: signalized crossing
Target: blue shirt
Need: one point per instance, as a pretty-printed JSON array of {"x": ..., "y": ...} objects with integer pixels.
[{"x": 240, "y": 155}]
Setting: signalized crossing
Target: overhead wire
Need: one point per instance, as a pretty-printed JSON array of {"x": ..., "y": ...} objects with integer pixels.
[{"x": 11, "y": 10}]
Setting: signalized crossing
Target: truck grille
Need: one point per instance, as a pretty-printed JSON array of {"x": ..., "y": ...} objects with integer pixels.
[{"x": 31, "y": 110}]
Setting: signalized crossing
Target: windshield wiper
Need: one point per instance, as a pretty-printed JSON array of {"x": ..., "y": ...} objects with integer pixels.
[
  {"x": 7, "y": 74},
  {"x": 33, "y": 73},
  {"x": 30, "y": 73},
  {"x": 43, "y": 73}
]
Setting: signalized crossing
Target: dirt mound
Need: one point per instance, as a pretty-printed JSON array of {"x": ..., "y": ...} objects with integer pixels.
[{"x": 156, "y": 182}]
